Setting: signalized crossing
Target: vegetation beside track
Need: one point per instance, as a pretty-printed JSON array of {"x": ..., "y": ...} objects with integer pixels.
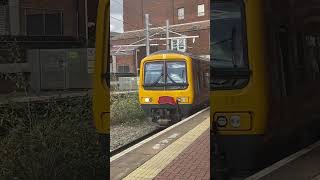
[
  {"x": 55, "y": 139},
  {"x": 48, "y": 140},
  {"x": 125, "y": 109}
]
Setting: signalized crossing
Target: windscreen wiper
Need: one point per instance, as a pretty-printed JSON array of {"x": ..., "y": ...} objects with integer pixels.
[
  {"x": 156, "y": 81},
  {"x": 167, "y": 75},
  {"x": 174, "y": 83},
  {"x": 222, "y": 41},
  {"x": 220, "y": 83}
]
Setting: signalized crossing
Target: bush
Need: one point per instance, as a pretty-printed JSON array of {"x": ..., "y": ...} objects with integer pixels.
[
  {"x": 126, "y": 109},
  {"x": 49, "y": 140}
]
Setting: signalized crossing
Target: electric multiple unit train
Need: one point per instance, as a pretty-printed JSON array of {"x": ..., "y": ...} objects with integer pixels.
[
  {"x": 101, "y": 93},
  {"x": 172, "y": 85},
  {"x": 264, "y": 81},
  {"x": 264, "y": 76}
]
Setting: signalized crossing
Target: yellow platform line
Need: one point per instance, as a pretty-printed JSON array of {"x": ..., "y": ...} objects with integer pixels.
[{"x": 157, "y": 163}]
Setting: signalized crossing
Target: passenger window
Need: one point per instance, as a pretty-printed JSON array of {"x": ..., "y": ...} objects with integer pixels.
[
  {"x": 312, "y": 53},
  {"x": 107, "y": 56},
  {"x": 285, "y": 61}
]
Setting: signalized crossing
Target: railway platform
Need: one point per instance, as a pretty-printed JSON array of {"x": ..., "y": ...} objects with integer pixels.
[
  {"x": 302, "y": 165},
  {"x": 181, "y": 151}
]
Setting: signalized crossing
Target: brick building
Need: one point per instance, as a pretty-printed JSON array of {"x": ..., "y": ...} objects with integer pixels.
[
  {"x": 49, "y": 22},
  {"x": 42, "y": 24},
  {"x": 186, "y": 17}
]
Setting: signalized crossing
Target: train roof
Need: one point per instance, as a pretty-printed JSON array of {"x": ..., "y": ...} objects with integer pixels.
[
  {"x": 178, "y": 52},
  {"x": 170, "y": 52}
]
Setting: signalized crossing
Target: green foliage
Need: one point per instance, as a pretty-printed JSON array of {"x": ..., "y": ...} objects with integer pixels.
[
  {"x": 12, "y": 52},
  {"x": 19, "y": 79},
  {"x": 49, "y": 140},
  {"x": 126, "y": 109}
]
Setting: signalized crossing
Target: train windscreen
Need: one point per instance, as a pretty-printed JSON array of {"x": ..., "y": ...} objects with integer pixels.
[
  {"x": 228, "y": 62},
  {"x": 165, "y": 75}
]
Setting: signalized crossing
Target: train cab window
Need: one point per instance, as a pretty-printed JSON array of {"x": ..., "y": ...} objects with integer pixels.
[
  {"x": 228, "y": 63},
  {"x": 227, "y": 35},
  {"x": 176, "y": 72},
  {"x": 165, "y": 75},
  {"x": 154, "y": 74}
]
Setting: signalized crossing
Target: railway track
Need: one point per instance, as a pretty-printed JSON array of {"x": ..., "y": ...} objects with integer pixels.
[{"x": 136, "y": 141}]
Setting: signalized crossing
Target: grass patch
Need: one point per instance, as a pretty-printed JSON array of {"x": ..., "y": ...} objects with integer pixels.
[
  {"x": 49, "y": 140},
  {"x": 125, "y": 109},
  {"x": 55, "y": 139}
]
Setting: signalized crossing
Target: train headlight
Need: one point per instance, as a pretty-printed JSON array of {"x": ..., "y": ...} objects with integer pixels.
[
  {"x": 183, "y": 99},
  {"x": 222, "y": 121},
  {"x": 147, "y": 100},
  {"x": 235, "y": 121}
]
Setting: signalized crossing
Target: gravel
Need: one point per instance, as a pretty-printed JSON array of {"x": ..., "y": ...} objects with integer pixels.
[{"x": 122, "y": 134}]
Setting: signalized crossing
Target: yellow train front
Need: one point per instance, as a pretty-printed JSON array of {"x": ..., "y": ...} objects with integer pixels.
[
  {"x": 172, "y": 85},
  {"x": 264, "y": 104}
]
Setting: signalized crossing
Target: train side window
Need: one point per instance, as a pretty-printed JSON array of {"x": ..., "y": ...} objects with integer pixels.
[
  {"x": 312, "y": 56},
  {"x": 300, "y": 42},
  {"x": 200, "y": 76},
  {"x": 205, "y": 79},
  {"x": 285, "y": 60},
  {"x": 107, "y": 55}
]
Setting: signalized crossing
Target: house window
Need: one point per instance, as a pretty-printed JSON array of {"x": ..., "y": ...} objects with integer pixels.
[
  {"x": 201, "y": 10},
  {"x": 45, "y": 24},
  {"x": 123, "y": 69},
  {"x": 179, "y": 45},
  {"x": 181, "y": 13}
]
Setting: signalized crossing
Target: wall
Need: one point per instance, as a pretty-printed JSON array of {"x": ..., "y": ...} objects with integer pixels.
[{"x": 160, "y": 11}]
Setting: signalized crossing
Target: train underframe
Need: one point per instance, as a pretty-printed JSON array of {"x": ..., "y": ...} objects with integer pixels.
[{"x": 166, "y": 114}]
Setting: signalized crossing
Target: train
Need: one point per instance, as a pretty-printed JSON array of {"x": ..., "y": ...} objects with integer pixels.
[
  {"x": 264, "y": 85},
  {"x": 101, "y": 80},
  {"x": 172, "y": 85}
]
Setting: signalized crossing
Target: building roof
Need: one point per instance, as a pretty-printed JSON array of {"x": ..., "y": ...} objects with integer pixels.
[
  {"x": 194, "y": 26},
  {"x": 170, "y": 52},
  {"x": 178, "y": 52}
]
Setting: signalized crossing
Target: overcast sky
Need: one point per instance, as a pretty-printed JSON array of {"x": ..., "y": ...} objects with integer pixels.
[{"x": 116, "y": 11}]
